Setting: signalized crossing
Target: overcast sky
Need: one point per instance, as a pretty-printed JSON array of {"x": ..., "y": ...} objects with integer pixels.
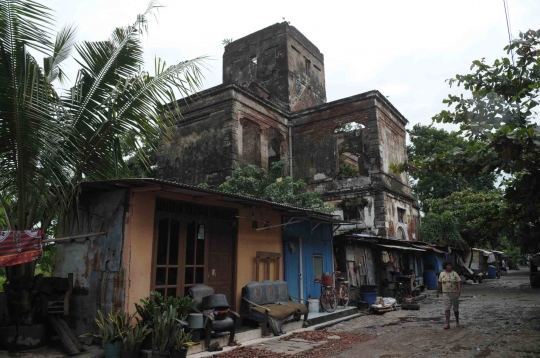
[{"x": 405, "y": 49}]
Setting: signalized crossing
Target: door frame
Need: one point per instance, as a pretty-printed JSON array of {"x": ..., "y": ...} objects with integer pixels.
[{"x": 184, "y": 219}]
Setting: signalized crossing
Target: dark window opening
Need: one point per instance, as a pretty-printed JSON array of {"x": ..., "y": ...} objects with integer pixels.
[
  {"x": 348, "y": 165},
  {"x": 318, "y": 268},
  {"x": 166, "y": 268},
  {"x": 401, "y": 215},
  {"x": 351, "y": 213},
  {"x": 194, "y": 269},
  {"x": 308, "y": 66},
  {"x": 251, "y": 143},
  {"x": 274, "y": 151}
]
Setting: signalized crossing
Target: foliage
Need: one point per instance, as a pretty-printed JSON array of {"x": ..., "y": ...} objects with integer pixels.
[
  {"x": 255, "y": 181},
  {"x": 147, "y": 309},
  {"x": 182, "y": 305},
  {"x": 499, "y": 118},
  {"x": 114, "y": 327},
  {"x": 48, "y": 259},
  {"x": 465, "y": 219},
  {"x": 165, "y": 327},
  {"x": 51, "y": 142},
  {"x": 134, "y": 337},
  {"x": 426, "y": 142},
  {"x": 226, "y": 41},
  {"x": 346, "y": 170},
  {"x": 181, "y": 338}
]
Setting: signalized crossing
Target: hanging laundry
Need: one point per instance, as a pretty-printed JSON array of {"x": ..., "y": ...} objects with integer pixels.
[
  {"x": 385, "y": 257},
  {"x": 18, "y": 247}
]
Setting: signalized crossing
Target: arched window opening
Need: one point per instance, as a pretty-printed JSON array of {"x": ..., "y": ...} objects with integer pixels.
[
  {"x": 251, "y": 143},
  {"x": 349, "y": 127}
]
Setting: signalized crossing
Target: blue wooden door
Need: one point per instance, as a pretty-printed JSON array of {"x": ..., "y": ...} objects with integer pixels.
[{"x": 291, "y": 264}]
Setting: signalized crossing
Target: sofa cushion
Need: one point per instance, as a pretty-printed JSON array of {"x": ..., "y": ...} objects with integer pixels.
[
  {"x": 299, "y": 306},
  {"x": 253, "y": 292},
  {"x": 282, "y": 291},
  {"x": 269, "y": 292},
  {"x": 280, "y": 312}
]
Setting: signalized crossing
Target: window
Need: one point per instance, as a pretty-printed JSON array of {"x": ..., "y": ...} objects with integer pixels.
[
  {"x": 308, "y": 66},
  {"x": 318, "y": 269},
  {"x": 401, "y": 234},
  {"x": 194, "y": 270},
  {"x": 401, "y": 215},
  {"x": 167, "y": 253},
  {"x": 251, "y": 143},
  {"x": 253, "y": 59},
  {"x": 349, "y": 127}
]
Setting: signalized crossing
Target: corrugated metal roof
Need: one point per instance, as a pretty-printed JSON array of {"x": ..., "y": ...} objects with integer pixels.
[
  {"x": 138, "y": 182},
  {"x": 401, "y": 247}
]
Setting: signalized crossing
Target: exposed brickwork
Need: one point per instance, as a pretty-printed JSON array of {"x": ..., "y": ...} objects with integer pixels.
[{"x": 273, "y": 100}]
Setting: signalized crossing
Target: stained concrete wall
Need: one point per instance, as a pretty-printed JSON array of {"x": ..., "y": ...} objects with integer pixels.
[
  {"x": 282, "y": 61},
  {"x": 96, "y": 264}
]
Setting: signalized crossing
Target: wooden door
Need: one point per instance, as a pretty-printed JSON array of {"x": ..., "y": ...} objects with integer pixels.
[{"x": 221, "y": 235}]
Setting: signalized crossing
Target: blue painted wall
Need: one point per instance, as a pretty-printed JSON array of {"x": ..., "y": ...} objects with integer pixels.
[{"x": 316, "y": 242}]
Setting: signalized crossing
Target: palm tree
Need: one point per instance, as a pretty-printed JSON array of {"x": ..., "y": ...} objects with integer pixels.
[{"x": 50, "y": 141}]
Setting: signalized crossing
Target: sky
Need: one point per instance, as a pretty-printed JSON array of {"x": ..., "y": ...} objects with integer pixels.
[{"x": 404, "y": 49}]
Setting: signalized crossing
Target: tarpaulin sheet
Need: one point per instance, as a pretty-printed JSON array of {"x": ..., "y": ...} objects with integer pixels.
[{"x": 18, "y": 247}]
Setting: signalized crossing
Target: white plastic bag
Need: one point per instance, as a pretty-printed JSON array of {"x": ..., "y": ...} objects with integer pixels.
[{"x": 389, "y": 301}]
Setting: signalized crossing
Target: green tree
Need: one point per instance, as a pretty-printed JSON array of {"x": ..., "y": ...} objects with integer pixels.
[
  {"x": 498, "y": 118},
  {"x": 50, "y": 141},
  {"x": 466, "y": 219},
  {"x": 254, "y": 181},
  {"x": 428, "y": 141}
]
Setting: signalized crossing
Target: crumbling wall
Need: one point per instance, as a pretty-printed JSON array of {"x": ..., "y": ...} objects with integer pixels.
[
  {"x": 96, "y": 263},
  {"x": 283, "y": 61},
  {"x": 315, "y": 145},
  {"x": 404, "y": 227},
  {"x": 392, "y": 136},
  {"x": 306, "y": 72}
]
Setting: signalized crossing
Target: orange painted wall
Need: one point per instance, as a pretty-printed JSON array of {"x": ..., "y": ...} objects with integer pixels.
[
  {"x": 138, "y": 247},
  {"x": 139, "y": 236},
  {"x": 250, "y": 241}
]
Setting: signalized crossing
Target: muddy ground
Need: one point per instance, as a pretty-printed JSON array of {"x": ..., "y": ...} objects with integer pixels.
[{"x": 500, "y": 318}]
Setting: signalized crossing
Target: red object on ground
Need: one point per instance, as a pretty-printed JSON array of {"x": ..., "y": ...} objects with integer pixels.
[{"x": 19, "y": 247}]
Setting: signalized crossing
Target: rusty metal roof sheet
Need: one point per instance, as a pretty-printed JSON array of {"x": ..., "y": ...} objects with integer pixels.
[{"x": 197, "y": 191}]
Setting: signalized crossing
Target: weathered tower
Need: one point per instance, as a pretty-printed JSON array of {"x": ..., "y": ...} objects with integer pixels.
[{"x": 282, "y": 61}]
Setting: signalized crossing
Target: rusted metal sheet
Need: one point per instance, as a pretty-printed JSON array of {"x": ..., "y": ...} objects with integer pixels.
[{"x": 96, "y": 263}]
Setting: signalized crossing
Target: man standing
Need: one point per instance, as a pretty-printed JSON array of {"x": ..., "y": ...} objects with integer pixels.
[{"x": 450, "y": 286}]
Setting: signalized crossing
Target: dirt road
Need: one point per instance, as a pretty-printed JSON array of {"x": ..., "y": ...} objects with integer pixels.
[{"x": 500, "y": 318}]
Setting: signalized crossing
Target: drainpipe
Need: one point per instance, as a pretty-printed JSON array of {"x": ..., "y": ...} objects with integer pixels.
[
  {"x": 301, "y": 277},
  {"x": 290, "y": 153}
]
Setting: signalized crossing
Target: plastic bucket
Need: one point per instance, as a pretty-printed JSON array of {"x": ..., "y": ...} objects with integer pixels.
[
  {"x": 492, "y": 272},
  {"x": 370, "y": 298},
  {"x": 313, "y": 304},
  {"x": 431, "y": 279},
  {"x": 112, "y": 350}
]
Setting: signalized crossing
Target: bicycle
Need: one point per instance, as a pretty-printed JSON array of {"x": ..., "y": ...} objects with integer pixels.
[
  {"x": 400, "y": 293},
  {"x": 329, "y": 295},
  {"x": 343, "y": 289}
]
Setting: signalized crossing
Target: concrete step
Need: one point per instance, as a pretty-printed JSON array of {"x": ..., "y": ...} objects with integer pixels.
[{"x": 322, "y": 317}]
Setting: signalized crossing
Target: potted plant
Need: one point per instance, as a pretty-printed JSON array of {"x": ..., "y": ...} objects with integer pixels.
[
  {"x": 181, "y": 342},
  {"x": 183, "y": 305},
  {"x": 147, "y": 310},
  {"x": 133, "y": 339},
  {"x": 113, "y": 329},
  {"x": 164, "y": 328}
]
